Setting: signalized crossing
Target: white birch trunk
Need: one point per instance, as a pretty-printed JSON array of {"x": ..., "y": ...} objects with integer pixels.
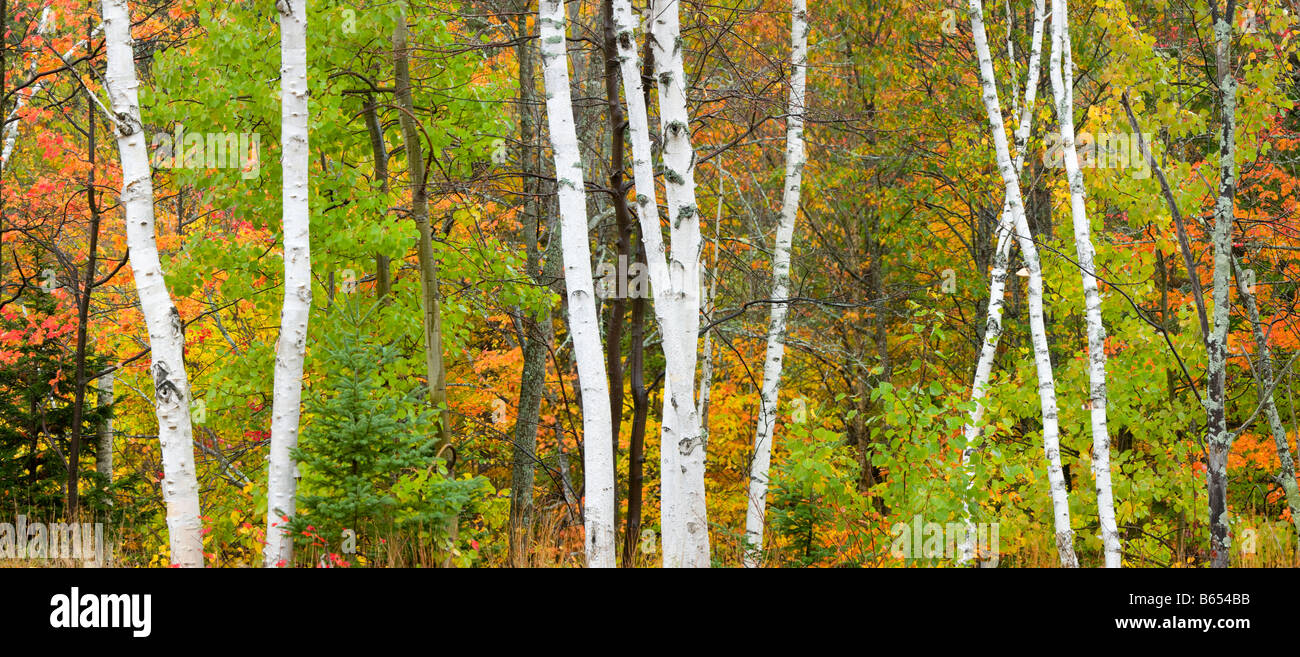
[
  {"x": 675, "y": 278},
  {"x": 598, "y": 458},
  {"x": 166, "y": 339},
  {"x": 282, "y": 482},
  {"x": 1062, "y": 75},
  {"x": 772, "y": 361},
  {"x": 686, "y": 530},
  {"x": 104, "y": 444},
  {"x": 1029, "y": 251},
  {"x": 997, "y": 286}
]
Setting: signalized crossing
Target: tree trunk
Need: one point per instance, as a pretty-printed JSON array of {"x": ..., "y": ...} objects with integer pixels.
[
  {"x": 383, "y": 269},
  {"x": 1029, "y": 251},
  {"x": 1266, "y": 384},
  {"x": 291, "y": 351},
  {"x": 676, "y": 284},
  {"x": 1062, "y": 75},
  {"x": 166, "y": 337},
  {"x": 623, "y": 219},
  {"x": 104, "y": 448},
  {"x": 997, "y": 285},
  {"x": 598, "y": 473},
  {"x": 83, "y": 319},
  {"x": 1218, "y": 437},
  {"x": 794, "y": 163},
  {"x": 537, "y": 339},
  {"x": 415, "y": 173}
]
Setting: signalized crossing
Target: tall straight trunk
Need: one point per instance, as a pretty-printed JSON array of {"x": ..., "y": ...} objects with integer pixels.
[
  {"x": 682, "y": 430},
  {"x": 104, "y": 446},
  {"x": 415, "y": 173},
  {"x": 1029, "y": 251},
  {"x": 383, "y": 269},
  {"x": 532, "y": 387},
  {"x": 1062, "y": 74},
  {"x": 1006, "y": 232},
  {"x": 598, "y": 461},
  {"x": 623, "y": 220},
  {"x": 636, "y": 441},
  {"x": 83, "y": 320},
  {"x": 180, "y": 486},
  {"x": 291, "y": 351},
  {"x": 537, "y": 339},
  {"x": 1265, "y": 384},
  {"x": 1218, "y": 437},
  {"x": 636, "y": 359},
  {"x": 767, "y": 401},
  {"x": 675, "y": 280}
]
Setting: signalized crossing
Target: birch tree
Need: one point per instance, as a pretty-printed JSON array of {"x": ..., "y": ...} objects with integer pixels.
[
  {"x": 772, "y": 361},
  {"x": 674, "y": 276},
  {"x": 1062, "y": 75},
  {"x": 1029, "y": 252},
  {"x": 291, "y": 350},
  {"x": 104, "y": 435},
  {"x": 166, "y": 337},
  {"x": 598, "y": 457},
  {"x": 1006, "y": 231}
]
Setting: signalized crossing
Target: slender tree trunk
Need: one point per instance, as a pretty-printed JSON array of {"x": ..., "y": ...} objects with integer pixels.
[
  {"x": 166, "y": 337},
  {"x": 532, "y": 385},
  {"x": 1029, "y": 251},
  {"x": 538, "y": 336},
  {"x": 1265, "y": 384},
  {"x": 1218, "y": 437},
  {"x": 794, "y": 163},
  {"x": 623, "y": 219},
  {"x": 598, "y": 461},
  {"x": 415, "y": 173},
  {"x": 636, "y": 441},
  {"x": 291, "y": 351},
  {"x": 83, "y": 320},
  {"x": 383, "y": 269},
  {"x": 104, "y": 448},
  {"x": 1006, "y": 232},
  {"x": 1062, "y": 75}
]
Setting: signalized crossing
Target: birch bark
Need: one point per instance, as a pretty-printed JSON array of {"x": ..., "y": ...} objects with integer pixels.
[
  {"x": 772, "y": 361},
  {"x": 291, "y": 350},
  {"x": 166, "y": 337},
  {"x": 674, "y": 279},
  {"x": 598, "y": 457},
  {"x": 1062, "y": 75},
  {"x": 997, "y": 283},
  {"x": 1029, "y": 251}
]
